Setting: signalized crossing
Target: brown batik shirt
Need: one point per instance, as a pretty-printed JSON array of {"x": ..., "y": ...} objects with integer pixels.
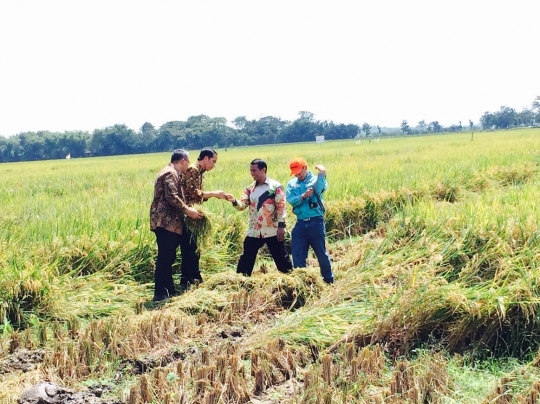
[
  {"x": 167, "y": 209},
  {"x": 192, "y": 184}
]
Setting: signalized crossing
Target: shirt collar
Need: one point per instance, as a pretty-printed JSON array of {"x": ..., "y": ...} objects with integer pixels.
[
  {"x": 255, "y": 184},
  {"x": 308, "y": 175},
  {"x": 266, "y": 181},
  {"x": 200, "y": 168}
]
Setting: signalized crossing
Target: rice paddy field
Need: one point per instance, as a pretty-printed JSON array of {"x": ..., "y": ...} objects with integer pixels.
[{"x": 435, "y": 244}]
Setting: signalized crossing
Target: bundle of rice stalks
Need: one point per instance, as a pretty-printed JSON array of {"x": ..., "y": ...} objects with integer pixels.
[
  {"x": 319, "y": 327},
  {"x": 446, "y": 191},
  {"x": 200, "y": 229},
  {"x": 25, "y": 290},
  {"x": 346, "y": 218},
  {"x": 513, "y": 174},
  {"x": 228, "y": 281},
  {"x": 96, "y": 295},
  {"x": 359, "y": 215},
  {"x": 199, "y": 301}
]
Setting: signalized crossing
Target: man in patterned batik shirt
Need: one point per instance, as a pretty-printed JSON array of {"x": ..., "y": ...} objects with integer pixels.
[
  {"x": 192, "y": 186},
  {"x": 167, "y": 221},
  {"x": 265, "y": 198}
]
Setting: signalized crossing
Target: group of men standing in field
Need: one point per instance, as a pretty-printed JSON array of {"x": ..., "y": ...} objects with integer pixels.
[{"x": 180, "y": 185}]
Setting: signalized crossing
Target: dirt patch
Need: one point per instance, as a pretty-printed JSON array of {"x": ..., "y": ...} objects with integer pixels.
[
  {"x": 146, "y": 363},
  {"x": 49, "y": 393},
  {"x": 21, "y": 360}
]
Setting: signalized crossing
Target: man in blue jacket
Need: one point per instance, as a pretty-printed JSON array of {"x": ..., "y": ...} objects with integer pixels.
[{"x": 304, "y": 193}]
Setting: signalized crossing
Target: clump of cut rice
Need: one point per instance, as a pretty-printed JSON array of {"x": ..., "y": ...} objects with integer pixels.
[{"x": 200, "y": 229}]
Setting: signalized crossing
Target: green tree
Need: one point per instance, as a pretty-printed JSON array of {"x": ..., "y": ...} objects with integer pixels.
[
  {"x": 11, "y": 149},
  {"x": 506, "y": 117},
  {"x": 171, "y": 135},
  {"x": 113, "y": 140},
  {"x": 405, "y": 127},
  {"x": 147, "y": 137},
  {"x": 488, "y": 120},
  {"x": 303, "y": 129},
  {"x": 525, "y": 117},
  {"x": 536, "y": 104},
  {"x": 332, "y": 131},
  {"x": 33, "y": 145},
  {"x": 306, "y": 116},
  {"x": 240, "y": 123},
  {"x": 366, "y": 128},
  {"x": 434, "y": 127}
]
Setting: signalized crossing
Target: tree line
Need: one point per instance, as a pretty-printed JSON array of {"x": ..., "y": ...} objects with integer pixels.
[
  {"x": 505, "y": 118},
  {"x": 194, "y": 133},
  {"x": 508, "y": 117},
  {"x": 201, "y": 131}
]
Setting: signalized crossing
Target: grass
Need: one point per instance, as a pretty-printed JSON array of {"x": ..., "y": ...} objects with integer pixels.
[{"x": 435, "y": 245}]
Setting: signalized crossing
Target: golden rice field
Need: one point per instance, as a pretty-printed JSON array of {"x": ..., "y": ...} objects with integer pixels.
[{"x": 436, "y": 250}]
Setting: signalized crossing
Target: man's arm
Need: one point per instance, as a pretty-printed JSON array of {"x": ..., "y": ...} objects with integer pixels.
[
  {"x": 242, "y": 203},
  {"x": 192, "y": 187},
  {"x": 321, "y": 184},
  {"x": 191, "y": 183},
  {"x": 281, "y": 212},
  {"x": 214, "y": 194},
  {"x": 293, "y": 195},
  {"x": 173, "y": 197}
]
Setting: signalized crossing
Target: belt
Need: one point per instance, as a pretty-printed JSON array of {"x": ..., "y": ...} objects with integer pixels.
[{"x": 310, "y": 218}]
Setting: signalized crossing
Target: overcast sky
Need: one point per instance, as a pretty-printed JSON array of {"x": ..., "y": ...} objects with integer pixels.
[{"x": 84, "y": 65}]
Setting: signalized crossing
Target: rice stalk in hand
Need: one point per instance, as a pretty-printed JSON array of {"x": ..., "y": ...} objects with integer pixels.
[{"x": 200, "y": 229}]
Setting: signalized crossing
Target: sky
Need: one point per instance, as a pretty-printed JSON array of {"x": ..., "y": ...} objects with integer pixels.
[{"x": 85, "y": 65}]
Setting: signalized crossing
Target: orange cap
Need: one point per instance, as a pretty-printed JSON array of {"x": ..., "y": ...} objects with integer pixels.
[{"x": 296, "y": 165}]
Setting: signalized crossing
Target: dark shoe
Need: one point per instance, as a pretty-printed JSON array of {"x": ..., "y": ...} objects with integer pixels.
[
  {"x": 185, "y": 284},
  {"x": 182, "y": 289},
  {"x": 160, "y": 298},
  {"x": 329, "y": 281}
]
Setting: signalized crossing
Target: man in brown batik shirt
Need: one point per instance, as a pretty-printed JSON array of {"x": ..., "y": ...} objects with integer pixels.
[
  {"x": 167, "y": 221},
  {"x": 192, "y": 186}
]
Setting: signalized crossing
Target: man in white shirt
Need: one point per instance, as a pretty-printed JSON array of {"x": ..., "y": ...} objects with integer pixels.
[{"x": 265, "y": 198}]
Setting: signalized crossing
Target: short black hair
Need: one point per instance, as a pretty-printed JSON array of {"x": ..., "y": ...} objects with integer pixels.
[
  {"x": 207, "y": 152},
  {"x": 260, "y": 163},
  {"x": 179, "y": 154}
]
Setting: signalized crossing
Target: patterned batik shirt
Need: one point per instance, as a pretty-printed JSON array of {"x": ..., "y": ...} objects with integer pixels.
[
  {"x": 192, "y": 184},
  {"x": 167, "y": 208},
  {"x": 267, "y": 208}
]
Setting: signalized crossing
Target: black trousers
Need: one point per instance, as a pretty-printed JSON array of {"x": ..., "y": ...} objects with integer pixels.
[
  {"x": 251, "y": 249},
  {"x": 168, "y": 243},
  {"x": 189, "y": 268}
]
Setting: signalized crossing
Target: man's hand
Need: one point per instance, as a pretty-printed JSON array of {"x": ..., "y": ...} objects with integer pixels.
[
  {"x": 221, "y": 194},
  {"x": 193, "y": 213},
  {"x": 321, "y": 168},
  {"x": 229, "y": 197},
  {"x": 215, "y": 194},
  {"x": 308, "y": 193},
  {"x": 281, "y": 233}
]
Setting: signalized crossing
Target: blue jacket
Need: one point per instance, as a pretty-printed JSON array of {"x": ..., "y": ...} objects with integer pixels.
[{"x": 295, "y": 189}]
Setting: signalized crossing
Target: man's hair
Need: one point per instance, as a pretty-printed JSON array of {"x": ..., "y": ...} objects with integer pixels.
[
  {"x": 260, "y": 163},
  {"x": 207, "y": 152},
  {"x": 179, "y": 154}
]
